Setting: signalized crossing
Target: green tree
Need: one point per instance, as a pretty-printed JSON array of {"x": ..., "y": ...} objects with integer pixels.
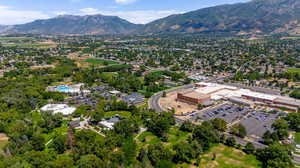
[
  {"x": 160, "y": 124},
  {"x": 249, "y": 148},
  {"x": 89, "y": 161},
  {"x": 206, "y": 135},
  {"x": 219, "y": 124},
  {"x": 274, "y": 156},
  {"x": 238, "y": 130},
  {"x": 62, "y": 161},
  {"x": 157, "y": 153},
  {"x": 293, "y": 120},
  {"x": 59, "y": 144},
  {"x": 130, "y": 151},
  {"x": 126, "y": 127},
  {"x": 230, "y": 141},
  {"x": 38, "y": 142},
  {"x": 187, "y": 126},
  {"x": 184, "y": 152}
]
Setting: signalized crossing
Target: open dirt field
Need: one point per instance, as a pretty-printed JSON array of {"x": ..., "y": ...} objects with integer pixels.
[
  {"x": 3, "y": 137},
  {"x": 171, "y": 102},
  {"x": 3, "y": 142}
]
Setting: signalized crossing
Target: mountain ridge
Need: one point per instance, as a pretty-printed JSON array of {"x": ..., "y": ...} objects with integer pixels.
[
  {"x": 271, "y": 16},
  {"x": 73, "y": 24},
  {"x": 255, "y": 16}
]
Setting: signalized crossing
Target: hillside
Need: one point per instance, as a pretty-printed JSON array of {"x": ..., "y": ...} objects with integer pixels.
[
  {"x": 266, "y": 16},
  {"x": 69, "y": 24},
  {"x": 256, "y": 16}
]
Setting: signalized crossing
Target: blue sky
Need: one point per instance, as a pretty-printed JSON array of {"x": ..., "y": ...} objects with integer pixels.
[{"x": 136, "y": 11}]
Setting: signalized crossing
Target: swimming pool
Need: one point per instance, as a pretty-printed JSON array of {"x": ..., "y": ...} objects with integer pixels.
[{"x": 63, "y": 88}]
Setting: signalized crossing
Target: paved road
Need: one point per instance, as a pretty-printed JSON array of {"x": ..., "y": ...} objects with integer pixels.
[
  {"x": 296, "y": 159},
  {"x": 154, "y": 100},
  {"x": 244, "y": 142}
]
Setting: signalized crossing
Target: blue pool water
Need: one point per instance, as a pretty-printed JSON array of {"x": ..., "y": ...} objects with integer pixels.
[{"x": 63, "y": 88}]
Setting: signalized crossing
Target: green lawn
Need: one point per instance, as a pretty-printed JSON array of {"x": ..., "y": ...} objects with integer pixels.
[
  {"x": 147, "y": 138},
  {"x": 100, "y": 61},
  {"x": 29, "y": 45},
  {"x": 293, "y": 70},
  {"x": 120, "y": 113},
  {"x": 174, "y": 136},
  {"x": 15, "y": 39},
  {"x": 297, "y": 137},
  {"x": 2, "y": 144},
  {"x": 226, "y": 157},
  {"x": 159, "y": 72}
]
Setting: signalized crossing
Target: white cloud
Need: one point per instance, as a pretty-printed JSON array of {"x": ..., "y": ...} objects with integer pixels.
[
  {"x": 89, "y": 11},
  {"x": 9, "y": 16},
  {"x": 60, "y": 12},
  {"x": 139, "y": 16},
  {"x": 125, "y": 1}
]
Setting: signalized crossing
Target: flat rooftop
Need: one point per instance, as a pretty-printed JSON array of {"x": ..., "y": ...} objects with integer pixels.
[
  {"x": 287, "y": 100},
  {"x": 259, "y": 95},
  {"x": 59, "y": 108},
  {"x": 194, "y": 94},
  {"x": 218, "y": 91}
]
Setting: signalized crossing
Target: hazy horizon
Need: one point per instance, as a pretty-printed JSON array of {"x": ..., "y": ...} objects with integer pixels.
[{"x": 135, "y": 11}]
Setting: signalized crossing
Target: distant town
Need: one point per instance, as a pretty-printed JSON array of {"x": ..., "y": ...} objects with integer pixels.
[{"x": 185, "y": 98}]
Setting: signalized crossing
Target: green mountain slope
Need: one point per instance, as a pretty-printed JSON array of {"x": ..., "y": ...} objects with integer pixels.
[
  {"x": 69, "y": 24},
  {"x": 267, "y": 16}
]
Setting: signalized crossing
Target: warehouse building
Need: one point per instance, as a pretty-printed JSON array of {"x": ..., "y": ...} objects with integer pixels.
[
  {"x": 204, "y": 92},
  {"x": 240, "y": 101},
  {"x": 193, "y": 97}
]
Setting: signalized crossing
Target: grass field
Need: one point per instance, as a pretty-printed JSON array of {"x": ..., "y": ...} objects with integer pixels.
[
  {"x": 174, "y": 136},
  {"x": 120, "y": 113},
  {"x": 2, "y": 144},
  {"x": 29, "y": 45},
  {"x": 297, "y": 137},
  {"x": 293, "y": 70},
  {"x": 108, "y": 75},
  {"x": 16, "y": 39},
  {"x": 226, "y": 157},
  {"x": 147, "y": 138},
  {"x": 100, "y": 61}
]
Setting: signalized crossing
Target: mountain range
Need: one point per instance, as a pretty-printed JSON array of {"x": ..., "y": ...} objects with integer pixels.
[
  {"x": 256, "y": 16},
  {"x": 70, "y": 24}
]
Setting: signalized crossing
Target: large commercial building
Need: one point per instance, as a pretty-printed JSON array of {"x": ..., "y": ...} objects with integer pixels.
[
  {"x": 193, "y": 97},
  {"x": 204, "y": 92}
]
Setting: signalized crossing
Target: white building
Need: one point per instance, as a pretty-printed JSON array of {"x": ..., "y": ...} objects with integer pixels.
[
  {"x": 59, "y": 108},
  {"x": 218, "y": 92}
]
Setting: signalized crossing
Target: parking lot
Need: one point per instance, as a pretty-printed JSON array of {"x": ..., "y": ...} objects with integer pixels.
[
  {"x": 230, "y": 113},
  {"x": 256, "y": 122}
]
